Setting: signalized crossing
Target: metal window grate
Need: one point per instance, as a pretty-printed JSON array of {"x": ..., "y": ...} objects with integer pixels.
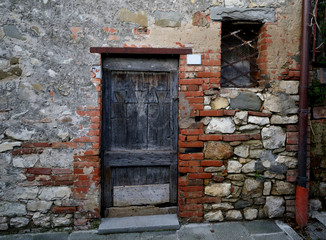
[{"x": 239, "y": 54}]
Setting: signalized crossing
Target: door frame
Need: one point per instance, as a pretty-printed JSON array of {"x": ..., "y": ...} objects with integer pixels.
[{"x": 120, "y": 64}]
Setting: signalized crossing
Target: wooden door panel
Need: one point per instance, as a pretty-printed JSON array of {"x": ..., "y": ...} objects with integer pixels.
[{"x": 139, "y": 139}]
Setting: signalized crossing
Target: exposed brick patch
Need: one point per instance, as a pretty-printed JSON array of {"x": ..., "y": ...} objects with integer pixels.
[{"x": 58, "y": 210}]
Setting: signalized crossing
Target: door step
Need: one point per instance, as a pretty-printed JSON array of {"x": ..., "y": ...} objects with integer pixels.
[
  {"x": 117, "y": 212},
  {"x": 139, "y": 224}
]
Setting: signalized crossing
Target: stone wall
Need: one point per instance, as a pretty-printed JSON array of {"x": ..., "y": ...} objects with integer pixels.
[
  {"x": 317, "y": 191},
  {"x": 243, "y": 141}
]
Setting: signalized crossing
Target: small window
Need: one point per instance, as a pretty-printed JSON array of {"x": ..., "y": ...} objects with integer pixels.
[{"x": 239, "y": 54}]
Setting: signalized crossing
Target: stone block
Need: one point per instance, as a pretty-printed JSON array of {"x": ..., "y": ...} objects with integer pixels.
[
  {"x": 258, "y": 120},
  {"x": 277, "y": 119},
  {"x": 274, "y": 207},
  {"x": 62, "y": 221},
  {"x": 252, "y": 188},
  {"x": 4, "y": 226},
  {"x": 242, "y": 151},
  {"x": 249, "y": 167},
  {"x": 250, "y": 213},
  {"x": 139, "y": 18},
  {"x": 19, "y": 134},
  {"x": 216, "y": 216},
  {"x": 267, "y": 188},
  {"x": 290, "y": 162},
  {"x": 289, "y": 87},
  {"x": 218, "y": 150},
  {"x": 220, "y": 125},
  {"x": 218, "y": 189},
  {"x": 233, "y": 215},
  {"x": 319, "y": 112},
  {"x": 41, "y": 220},
  {"x": 273, "y": 137},
  {"x": 5, "y": 146},
  {"x": 26, "y": 161},
  {"x": 222, "y": 206},
  {"x": 243, "y": 14},
  {"x": 234, "y": 167},
  {"x": 283, "y": 188},
  {"x": 40, "y": 206},
  {"x": 168, "y": 19},
  {"x": 19, "y": 222},
  {"x": 54, "y": 193},
  {"x": 11, "y": 209},
  {"x": 219, "y": 103},
  {"x": 241, "y": 117},
  {"x": 246, "y": 101}
]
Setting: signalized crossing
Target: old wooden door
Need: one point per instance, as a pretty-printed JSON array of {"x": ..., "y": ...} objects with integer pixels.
[{"x": 139, "y": 139}]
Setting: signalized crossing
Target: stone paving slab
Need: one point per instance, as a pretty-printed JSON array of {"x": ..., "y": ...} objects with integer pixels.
[
  {"x": 261, "y": 227},
  {"x": 255, "y": 230},
  {"x": 316, "y": 231},
  {"x": 321, "y": 217},
  {"x": 37, "y": 236},
  {"x": 139, "y": 224}
]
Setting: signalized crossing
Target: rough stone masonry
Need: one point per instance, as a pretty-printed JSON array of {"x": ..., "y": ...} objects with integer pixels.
[{"x": 50, "y": 108}]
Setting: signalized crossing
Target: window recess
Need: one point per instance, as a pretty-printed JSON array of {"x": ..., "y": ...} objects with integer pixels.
[{"x": 239, "y": 54}]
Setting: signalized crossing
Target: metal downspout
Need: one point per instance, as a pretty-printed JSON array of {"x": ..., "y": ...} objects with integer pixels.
[{"x": 302, "y": 190}]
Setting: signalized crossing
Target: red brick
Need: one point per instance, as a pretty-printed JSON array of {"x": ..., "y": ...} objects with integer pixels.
[
  {"x": 93, "y": 133},
  {"x": 212, "y": 113},
  {"x": 195, "y": 100},
  {"x": 192, "y": 131},
  {"x": 59, "y": 171},
  {"x": 190, "y": 214},
  {"x": 196, "y": 194},
  {"x": 194, "y": 81},
  {"x": 86, "y": 164},
  {"x": 192, "y": 138},
  {"x": 193, "y": 182},
  {"x": 292, "y": 128},
  {"x": 191, "y": 156},
  {"x": 208, "y": 74},
  {"x": 63, "y": 183},
  {"x": 87, "y": 158},
  {"x": 192, "y": 207},
  {"x": 78, "y": 171},
  {"x": 58, "y": 209},
  {"x": 64, "y": 145},
  {"x": 36, "y": 145},
  {"x": 192, "y": 188},
  {"x": 199, "y": 175},
  {"x": 211, "y": 163},
  {"x": 25, "y": 151},
  {"x": 85, "y": 183},
  {"x": 210, "y": 137},
  {"x": 193, "y": 93},
  {"x": 241, "y": 137},
  {"x": 211, "y": 62},
  {"x": 229, "y": 112},
  {"x": 204, "y": 200},
  {"x": 93, "y": 113},
  {"x": 39, "y": 171},
  {"x": 95, "y": 119},
  {"x": 191, "y": 144},
  {"x": 191, "y": 169},
  {"x": 260, "y": 114},
  {"x": 92, "y": 152},
  {"x": 189, "y": 163},
  {"x": 87, "y": 139},
  {"x": 291, "y": 175},
  {"x": 182, "y": 137},
  {"x": 65, "y": 177},
  {"x": 292, "y": 148}
]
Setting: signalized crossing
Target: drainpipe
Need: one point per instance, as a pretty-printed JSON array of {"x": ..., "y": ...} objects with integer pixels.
[{"x": 302, "y": 190}]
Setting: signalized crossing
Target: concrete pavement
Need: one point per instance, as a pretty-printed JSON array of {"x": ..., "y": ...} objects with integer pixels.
[{"x": 254, "y": 230}]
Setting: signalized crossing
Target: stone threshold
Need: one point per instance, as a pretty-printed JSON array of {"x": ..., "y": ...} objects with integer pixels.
[{"x": 139, "y": 224}]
